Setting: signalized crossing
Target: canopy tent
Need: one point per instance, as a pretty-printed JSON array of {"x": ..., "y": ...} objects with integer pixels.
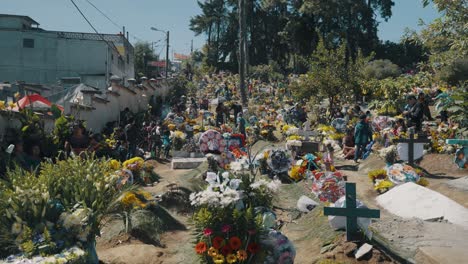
[{"x": 35, "y": 102}]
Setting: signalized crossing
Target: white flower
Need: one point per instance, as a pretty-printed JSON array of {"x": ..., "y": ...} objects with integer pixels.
[
  {"x": 211, "y": 177},
  {"x": 69, "y": 221},
  {"x": 258, "y": 184},
  {"x": 234, "y": 184},
  {"x": 16, "y": 228},
  {"x": 274, "y": 185}
]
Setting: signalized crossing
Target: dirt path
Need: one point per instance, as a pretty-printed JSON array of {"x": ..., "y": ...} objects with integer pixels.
[{"x": 177, "y": 244}]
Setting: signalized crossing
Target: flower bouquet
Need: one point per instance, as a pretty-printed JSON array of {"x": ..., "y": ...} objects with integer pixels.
[
  {"x": 228, "y": 228},
  {"x": 138, "y": 170},
  {"x": 328, "y": 186}
]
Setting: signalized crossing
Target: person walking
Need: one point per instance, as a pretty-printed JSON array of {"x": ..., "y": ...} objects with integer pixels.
[{"x": 362, "y": 136}]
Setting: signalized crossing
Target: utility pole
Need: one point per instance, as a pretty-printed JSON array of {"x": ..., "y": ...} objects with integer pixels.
[
  {"x": 242, "y": 52},
  {"x": 191, "y": 47},
  {"x": 167, "y": 53}
]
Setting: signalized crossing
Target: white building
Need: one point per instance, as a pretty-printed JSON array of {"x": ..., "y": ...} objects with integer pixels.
[{"x": 34, "y": 55}]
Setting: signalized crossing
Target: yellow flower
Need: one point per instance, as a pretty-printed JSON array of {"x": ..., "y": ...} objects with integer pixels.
[
  {"x": 17, "y": 96},
  {"x": 114, "y": 164},
  {"x": 264, "y": 132},
  {"x": 212, "y": 252},
  {"x": 12, "y": 105},
  {"x": 231, "y": 258},
  {"x": 128, "y": 200},
  {"x": 383, "y": 185},
  {"x": 218, "y": 259},
  {"x": 266, "y": 154},
  {"x": 423, "y": 182},
  {"x": 133, "y": 163}
]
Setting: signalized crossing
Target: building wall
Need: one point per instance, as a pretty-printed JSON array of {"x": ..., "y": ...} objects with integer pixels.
[{"x": 54, "y": 57}]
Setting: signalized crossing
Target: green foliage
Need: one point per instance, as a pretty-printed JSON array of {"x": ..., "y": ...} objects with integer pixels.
[
  {"x": 143, "y": 54},
  {"x": 62, "y": 130},
  {"x": 178, "y": 87},
  {"x": 446, "y": 38},
  {"x": 454, "y": 73},
  {"x": 267, "y": 73},
  {"x": 31, "y": 203},
  {"x": 286, "y": 31},
  {"x": 381, "y": 69},
  {"x": 457, "y": 106}
]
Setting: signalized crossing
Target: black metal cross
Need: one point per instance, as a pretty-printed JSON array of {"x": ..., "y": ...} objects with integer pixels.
[
  {"x": 410, "y": 141},
  {"x": 351, "y": 212}
]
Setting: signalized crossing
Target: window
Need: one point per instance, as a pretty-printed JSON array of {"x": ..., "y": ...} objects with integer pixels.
[{"x": 28, "y": 43}]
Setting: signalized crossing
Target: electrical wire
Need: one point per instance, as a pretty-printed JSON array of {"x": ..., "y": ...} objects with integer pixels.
[
  {"x": 95, "y": 30},
  {"x": 110, "y": 20}
]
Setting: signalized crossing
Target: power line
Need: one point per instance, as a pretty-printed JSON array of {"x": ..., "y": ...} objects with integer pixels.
[
  {"x": 110, "y": 20},
  {"x": 95, "y": 30}
]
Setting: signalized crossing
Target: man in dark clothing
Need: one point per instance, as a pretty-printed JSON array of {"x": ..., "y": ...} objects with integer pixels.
[
  {"x": 131, "y": 135},
  {"x": 362, "y": 137},
  {"x": 425, "y": 106},
  {"x": 414, "y": 114},
  {"x": 237, "y": 109}
]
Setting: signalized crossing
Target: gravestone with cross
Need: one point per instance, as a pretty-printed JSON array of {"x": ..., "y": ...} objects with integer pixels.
[
  {"x": 410, "y": 141},
  {"x": 351, "y": 212}
]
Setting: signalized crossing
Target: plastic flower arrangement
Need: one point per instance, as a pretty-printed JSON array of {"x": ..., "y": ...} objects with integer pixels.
[
  {"x": 2, "y": 105},
  {"x": 228, "y": 228}
]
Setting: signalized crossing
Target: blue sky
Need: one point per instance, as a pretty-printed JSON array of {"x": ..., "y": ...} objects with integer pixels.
[{"x": 173, "y": 15}]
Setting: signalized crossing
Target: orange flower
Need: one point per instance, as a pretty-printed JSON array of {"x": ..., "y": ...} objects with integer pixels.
[
  {"x": 235, "y": 243},
  {"x": 200, "y": 248},
  {"x": 242, "y": 255},
  {"x": 253, "y": 248},
  {"x": 218, "y": 242}
]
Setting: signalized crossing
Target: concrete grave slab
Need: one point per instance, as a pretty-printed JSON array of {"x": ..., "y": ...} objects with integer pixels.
[
  {"x": 461, "y": 183},
  {"x": 441, "y": 255},
  {"x": 410, "y": 200},
  {"x": 186, "y": 163}
]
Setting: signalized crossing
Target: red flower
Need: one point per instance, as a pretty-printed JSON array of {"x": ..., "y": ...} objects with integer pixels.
[
  {"x": 226, "y": 250},
  {"x": 225, "y": 228},
  {"x": 218, "y": 242},
  {"x": 235, "y": 243},
  {"x": 207, "y": 232},
  {"x": 200, "y": 248},
  {"x": 253, "y": 248}
]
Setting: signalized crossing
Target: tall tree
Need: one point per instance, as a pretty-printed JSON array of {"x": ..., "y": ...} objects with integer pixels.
[{"x": 143, "y": 54}]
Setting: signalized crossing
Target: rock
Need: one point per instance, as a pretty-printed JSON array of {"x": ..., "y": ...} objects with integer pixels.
[
  {"x": 327, "y": 248},
  {"x": 349, "y": 248},
  {"x": 363, "y": 250}
]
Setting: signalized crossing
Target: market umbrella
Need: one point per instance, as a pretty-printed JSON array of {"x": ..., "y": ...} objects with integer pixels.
[{"x": 36, "y": 102}]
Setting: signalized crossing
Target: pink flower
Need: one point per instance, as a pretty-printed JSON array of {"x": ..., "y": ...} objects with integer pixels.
[
  {"x": 208, "y": 232},
  {"x": 225, "y": 228}
]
